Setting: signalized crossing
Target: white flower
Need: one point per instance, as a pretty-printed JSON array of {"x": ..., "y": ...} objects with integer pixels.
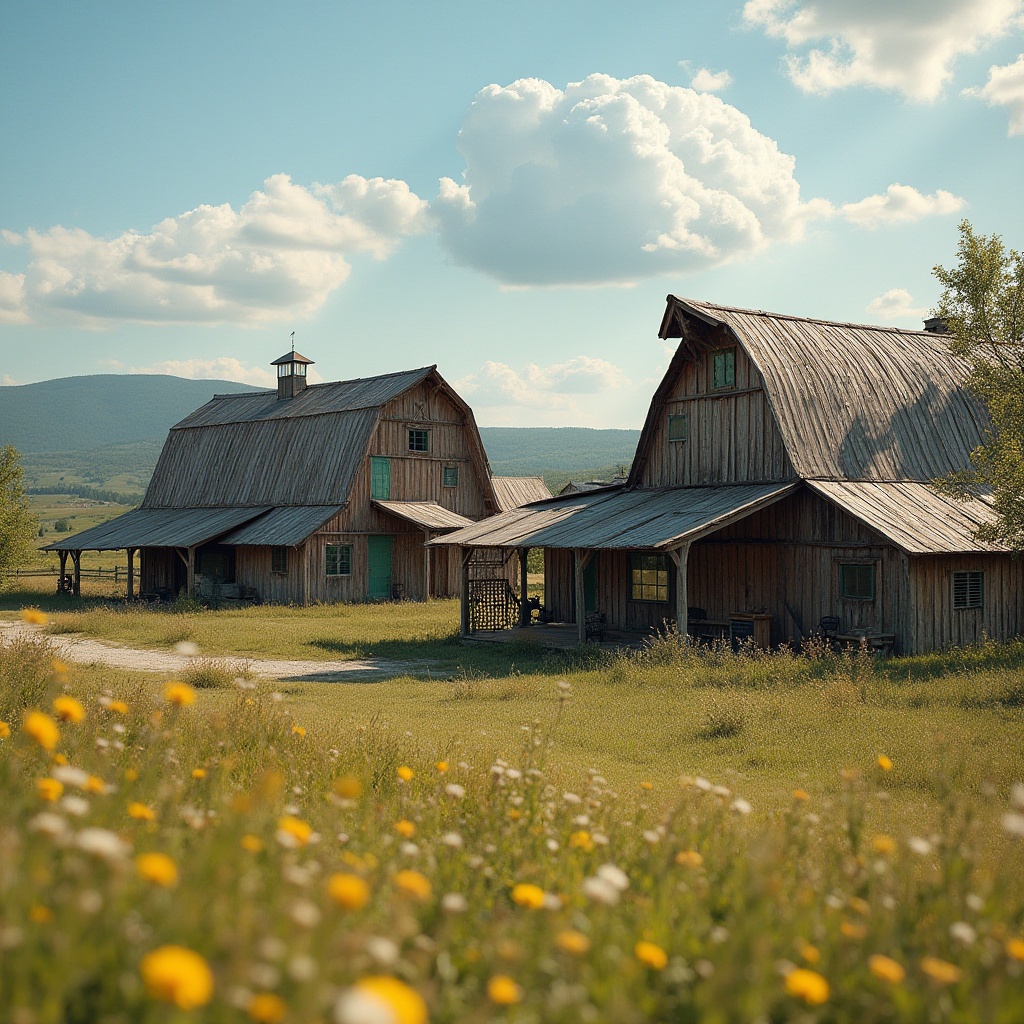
[
  {"x": 513, "y": 773},
  {"x": 600, "y": 890},
  {"x": 921, "y": 846},
  {"x": 497, "y": 769},
  {"x": 599, "y": 838},
  {"x": 76, "y": 805},
  {"x": 552, "y": 845},
  {"x": 741, "y": 806},
  {"x": 357, "y": 1006},
  {"x": 186, "y": 648},
  {"x": 571, "y": 798},
  {"x": 302, "y": 968},
  {"x": 70, "y": 776},
  {"x": 455, "y": 790},
  {"x": 616, "y": 876},
  {"x": 90, "y": 901},
  {"x": 50, "y": 824},
  {"x": 264, "y": 975},
  {"x": 409, "y": 850},
  {"x": 1017, "y": 794},
  {"x": 383, "y": 950},
  {"x": 304, "y": 913},
  {"x": 975, "y": 902},
  {"x": 701, "y": 783},
  {"x": 651, "y": 836},
  {"x": 452, "y": 840},
  {"x": 583, "y": 820},
  {"x": 1014, "y": 824},
  {"x": 102, "y": 843},
  {"x": 963, "y": 932},
  {"x": 454, "y": 903},
  {"x": 722, "y": 791}
]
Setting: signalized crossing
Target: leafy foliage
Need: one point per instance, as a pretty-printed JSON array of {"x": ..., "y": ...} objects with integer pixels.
[
  {"x": 983, "y": 304},
  {"x": 18, "y": 527}
]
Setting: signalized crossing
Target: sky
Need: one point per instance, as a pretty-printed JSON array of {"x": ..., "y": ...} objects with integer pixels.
[{"x": 507, "y": 190}]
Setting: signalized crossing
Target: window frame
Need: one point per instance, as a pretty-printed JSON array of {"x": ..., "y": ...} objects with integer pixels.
[
  {"x": 675, "y": 418},
  {"x": 971, "y": 580},
  {"x": 849, "y": 568},
  {"x": 660, "y": 567},
  {"x": 450, "y": 481},
  {"x": 729, "y": 368},
  {"x": 278, "y": 560},
  {"x": 342, "y": 560},
  {"x": 422, "y": 434}
]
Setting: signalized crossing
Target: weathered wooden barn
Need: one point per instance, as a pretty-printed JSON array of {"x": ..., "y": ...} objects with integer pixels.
[
  {"x": 319, "y": 493},
  {"x": 782, "y": 485}
]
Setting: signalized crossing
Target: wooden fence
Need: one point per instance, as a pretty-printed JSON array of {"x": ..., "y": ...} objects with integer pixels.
[{"x": 119, "y": 574}]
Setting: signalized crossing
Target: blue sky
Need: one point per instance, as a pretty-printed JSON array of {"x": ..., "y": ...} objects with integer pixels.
[{"x": 507, "y": 190}]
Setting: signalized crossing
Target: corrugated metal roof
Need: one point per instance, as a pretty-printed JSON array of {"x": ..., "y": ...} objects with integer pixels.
[
  {"x": 287, "y": 527},
  {"x": 427, "y": 515},
  {"x": 514, "y": 491},
  {"x": 158, "y": 528},
  {"x": 314, "y": 400},
  {"x": 914, "y": 516},
  {"x": 622, "y": 519},
  {"x": 853, "y": 401}
]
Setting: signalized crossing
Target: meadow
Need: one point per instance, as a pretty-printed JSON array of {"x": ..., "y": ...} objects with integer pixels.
[{"x": 664, "y": 834}]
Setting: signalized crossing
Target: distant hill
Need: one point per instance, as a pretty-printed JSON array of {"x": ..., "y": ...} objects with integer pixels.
[{"x": 81, "y": 435}]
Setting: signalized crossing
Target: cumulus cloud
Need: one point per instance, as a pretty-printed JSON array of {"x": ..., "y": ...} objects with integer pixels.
[
  {"x": 710, "y": 81},
  {"x": 909, "y": 46},
  {"x": 610, "y": 181},
  {"x": 1005, "y": 88},
  {"x": 12, "y": 298},
  {"x": 900, "y": 204},
  {"x": 277, "y": 257},
  {"x": 896, "y": 305},
  {"x": 557, "y": 386}
]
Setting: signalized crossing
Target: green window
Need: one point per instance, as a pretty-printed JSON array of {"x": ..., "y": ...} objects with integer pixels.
[
  {"x": 723, "y": 368},
  {"x": 677, "y": 428},
  {"x": 338, "y": 560},
  {"x": 649, "y": 578},
  {"x": 419, "y": 440},
  {"x": 967, "y": 589},
  {"x": 278, "y": 559},
  {"x": 380, "y": 478},
  {"x": 451, "y": 476},
  {"x": 857, "y": 581}
]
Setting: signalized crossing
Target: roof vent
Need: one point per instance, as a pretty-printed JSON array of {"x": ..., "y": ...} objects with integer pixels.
[
  {"x": 291, "y": 372},
  {"x": 936, "y": 325}
]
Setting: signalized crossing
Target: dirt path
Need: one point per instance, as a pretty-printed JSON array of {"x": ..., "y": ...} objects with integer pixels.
[{"x": 75, "y": 647}]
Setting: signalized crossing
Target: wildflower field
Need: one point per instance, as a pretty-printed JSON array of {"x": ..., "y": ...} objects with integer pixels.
[{"x": 222, "y": 850}]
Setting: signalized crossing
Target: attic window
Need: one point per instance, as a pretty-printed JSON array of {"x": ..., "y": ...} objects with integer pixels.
[
  {"x": 857, "y": 581},
  {"x": 677, "y": 428},
  {"x": 451, "y": 476},
  {"x": 419, "y": 440},
  {"x": 723, "y": 369},
  {"x": 967, "y": 589},
  {"x": 279, "y": 560}
]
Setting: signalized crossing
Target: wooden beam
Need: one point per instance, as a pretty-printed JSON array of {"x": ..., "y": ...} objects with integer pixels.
[
  {"x": 131, "y": 573},
  {"x": 191, "y": 584},
  {"x": 63, "y": 555},
  {"x": 467, "y": 554},
  {"x": 524, "y": 600},
  {"x": 426, "y": 565},
  {"x": 581, "y": 558},
  {"x": 681, "y": 557},
  {"x": 77, "y": 558}
]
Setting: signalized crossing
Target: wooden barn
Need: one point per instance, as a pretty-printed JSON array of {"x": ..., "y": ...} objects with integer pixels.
[
  {"x": 318, "y": 493},
  {"x": 782, "y": 486}
]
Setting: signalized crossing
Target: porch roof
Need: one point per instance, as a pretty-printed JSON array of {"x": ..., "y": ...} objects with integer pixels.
[
  {"x": 652, "y": 519},
  {"x": 287, "y": 526},
  {"x": 427, "y": 515},
  {"x": 159, "y": 528}
]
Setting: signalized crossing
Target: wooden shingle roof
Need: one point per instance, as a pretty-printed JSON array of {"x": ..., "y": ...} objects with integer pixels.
[{"x": 514, "y": 491}]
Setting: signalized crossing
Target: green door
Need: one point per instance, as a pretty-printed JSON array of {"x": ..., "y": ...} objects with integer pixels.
[
  {"x": 380, "y": 568},
  {"x": 590, "y": 585},
  {"x": 380, "y": 478}
]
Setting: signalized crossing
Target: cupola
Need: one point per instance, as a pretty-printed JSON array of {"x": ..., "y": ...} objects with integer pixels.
[{"x": 291, "y": 373}]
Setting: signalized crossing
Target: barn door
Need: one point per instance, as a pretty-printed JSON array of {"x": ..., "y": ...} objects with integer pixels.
[
  {"x": 380, "y": 478},
  {"x": 380, "y": 568}
]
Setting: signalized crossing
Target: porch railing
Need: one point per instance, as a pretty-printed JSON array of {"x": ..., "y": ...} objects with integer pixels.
[{"x": 493, "y": 604}]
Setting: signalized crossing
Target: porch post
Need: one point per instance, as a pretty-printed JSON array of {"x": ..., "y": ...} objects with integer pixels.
[
  {"x": 77, "y": 558},
  {"x": 191, "y": 585},
  {"x": 63, "y": 556},
  {"x": 681, "y": 557},
  {"x": 580, "y": 559},
  {"x": 426, "y": 565},
  {"x": 131, "y": 573},
  {"x": 524, "y": 601},
  {"x": 466, "y": 555}
]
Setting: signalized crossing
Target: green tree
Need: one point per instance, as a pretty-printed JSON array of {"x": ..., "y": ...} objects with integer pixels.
[
  {"x": 18, "y": 526},
  {"x": 982, "y": 302}
]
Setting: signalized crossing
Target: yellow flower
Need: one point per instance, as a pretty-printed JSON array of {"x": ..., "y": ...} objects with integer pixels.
[
  {"x": 49, "y": 789},
  {"x": 802, "y": 795},
  {"x": 298, "y": 730},
  {"x": 441, "y": 766},
  {"x": 884, "y": 763},
  {"x": 348, "y": 787},
  {"x": 380, "y": 997},
  {"x": 941, "y": 971},
  {"x": 689, "y": 858},
  {"x": 853, "y": 929},
  {"x": 94, "y": 784},
  {"x": 503, "y": 991},
  {"x": 5, "y": 730},
  {"x": 647, "y": 785},
  {"x": 251, "y": 843},
  {"x": 267, "y": 1008},
  {"x": 179, "y": 694},
  {"x": 1015, "y": 949},
  {"x": 34, "y": 616},
  {"x": 157, "y": 868},
  {"x": 810, "y": 953},
  {"x": 886, "y": 968},
  {"x": 58, "y": 666},
  {"x": 348, "y": 891},
  {"x": 581, "y": 841},
  {"x": 293, "y": 831},
  {"x": 130, "y": 775},
  {"x": 117, "y": 706},
  {"x": 67, "y": 709},
  {"x": 140, "y": 812},
  {"x": 412, "y": 883},
  {"x": 405, "y": 773},
  {"x": 41, "y": 728},
  {"x": 651, "y": 955},
  {"x": 883, "y": 844},
  {"x": 40, "y": 914},
  {"x": 405, "y": 828},
  {"x": 807, "y": 985},
  {"x": 59, "y": 759},
  {"x": 174, "y": 974},
  {"x": 527, "y": 895},
  {"x": 571, "y": 941},
  {"x": 198, "y": 773}
]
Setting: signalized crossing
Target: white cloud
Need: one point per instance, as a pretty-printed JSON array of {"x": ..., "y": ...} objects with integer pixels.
[
  {"x": 900, "y": 204},
  {"x": 278, "y": 257},
  {"x": 896, "y": 305},
  {"x": 710, "y": 81},
  {"x": 12, "y": 298},
  {"x": 218, "y": 368},
  {"x": 1005, "y": 88},
  {"x": 610, "y": 181},
  {"x": 906, "y": 45},
  {"x": 555, "y": 387}
]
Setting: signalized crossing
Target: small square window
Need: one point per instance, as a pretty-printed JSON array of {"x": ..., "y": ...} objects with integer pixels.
[
  {"x": 419, "y": 440},
  {"x": 857, "y": 581},
  {"x": 649, "y": 578},
  {"x": 451, "y": 476},
  {"x": 279, "y": 560},
  {"x": 723, "y": 368},
  {"x": 677, "y": 428},
  {"x": 968, "y": 589},
  {"x": 338, "y": 560}
]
